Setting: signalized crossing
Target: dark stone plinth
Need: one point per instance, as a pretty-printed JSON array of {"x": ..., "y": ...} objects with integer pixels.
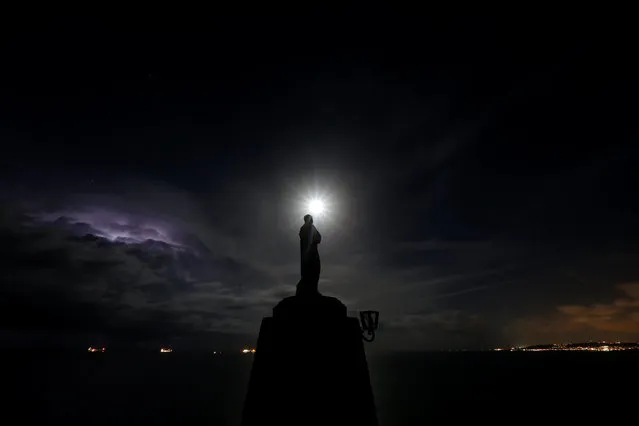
[
  {"x": 309, "y": 367},
  {"x": 310, "y": 308}
]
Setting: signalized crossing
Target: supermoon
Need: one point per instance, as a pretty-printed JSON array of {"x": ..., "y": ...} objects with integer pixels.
[{"x": 316, "y": 207}]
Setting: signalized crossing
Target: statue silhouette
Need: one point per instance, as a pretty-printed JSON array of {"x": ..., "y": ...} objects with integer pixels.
[
  {"x": 309, "y": 366},
  {"x": 310, "y": 259}
]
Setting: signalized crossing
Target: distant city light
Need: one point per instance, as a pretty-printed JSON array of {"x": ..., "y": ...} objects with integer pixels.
[
  {"x": 92, "y": 349},
  {"x": 248, "y": 351},
  {"x": 166, "y": 350},
  {"x": 586, "y": 346}
]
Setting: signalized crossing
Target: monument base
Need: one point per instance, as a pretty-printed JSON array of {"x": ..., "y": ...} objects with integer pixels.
[{"x": 309, "y": 367}]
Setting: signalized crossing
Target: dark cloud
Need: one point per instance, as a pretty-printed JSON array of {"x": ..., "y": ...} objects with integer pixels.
[
  {"x": 476, "y": 180},
  {"x": 149, "y": 286},
  {"x": 55, "y": 280}
]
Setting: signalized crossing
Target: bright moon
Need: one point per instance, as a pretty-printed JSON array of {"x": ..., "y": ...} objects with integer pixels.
[{"x": 316, "y": 207}]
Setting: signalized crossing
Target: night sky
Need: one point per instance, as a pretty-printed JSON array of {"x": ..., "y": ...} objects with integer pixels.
[{"x": 481, "y": 177}]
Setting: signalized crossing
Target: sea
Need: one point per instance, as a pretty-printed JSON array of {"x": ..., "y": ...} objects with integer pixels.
[{"x": 409, "y": 388}]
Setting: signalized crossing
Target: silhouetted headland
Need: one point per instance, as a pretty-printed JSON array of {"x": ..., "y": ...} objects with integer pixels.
[{"x": 310, "y": 366}]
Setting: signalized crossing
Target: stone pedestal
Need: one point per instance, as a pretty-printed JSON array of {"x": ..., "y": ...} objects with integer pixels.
[{"x": 309, "y": 367}]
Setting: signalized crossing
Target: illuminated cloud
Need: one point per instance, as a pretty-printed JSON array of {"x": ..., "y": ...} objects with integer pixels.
[
  {"x": 113, "y": 225},
  {"x": 126, "y": 288},
  {"x": 606, "y": 321}
]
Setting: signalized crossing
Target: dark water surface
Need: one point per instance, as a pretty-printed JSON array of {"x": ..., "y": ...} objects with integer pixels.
[{"x": 420, "y": 388}]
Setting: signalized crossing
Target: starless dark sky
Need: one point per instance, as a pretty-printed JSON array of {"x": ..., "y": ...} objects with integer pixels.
[{"x": 481, "y": 176}]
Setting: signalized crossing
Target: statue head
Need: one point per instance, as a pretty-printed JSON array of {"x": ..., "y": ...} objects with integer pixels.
[{"x": 308, "y": 219}]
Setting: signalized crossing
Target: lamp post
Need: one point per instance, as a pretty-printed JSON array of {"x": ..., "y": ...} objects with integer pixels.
[{"x": 370, "y": 322}]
